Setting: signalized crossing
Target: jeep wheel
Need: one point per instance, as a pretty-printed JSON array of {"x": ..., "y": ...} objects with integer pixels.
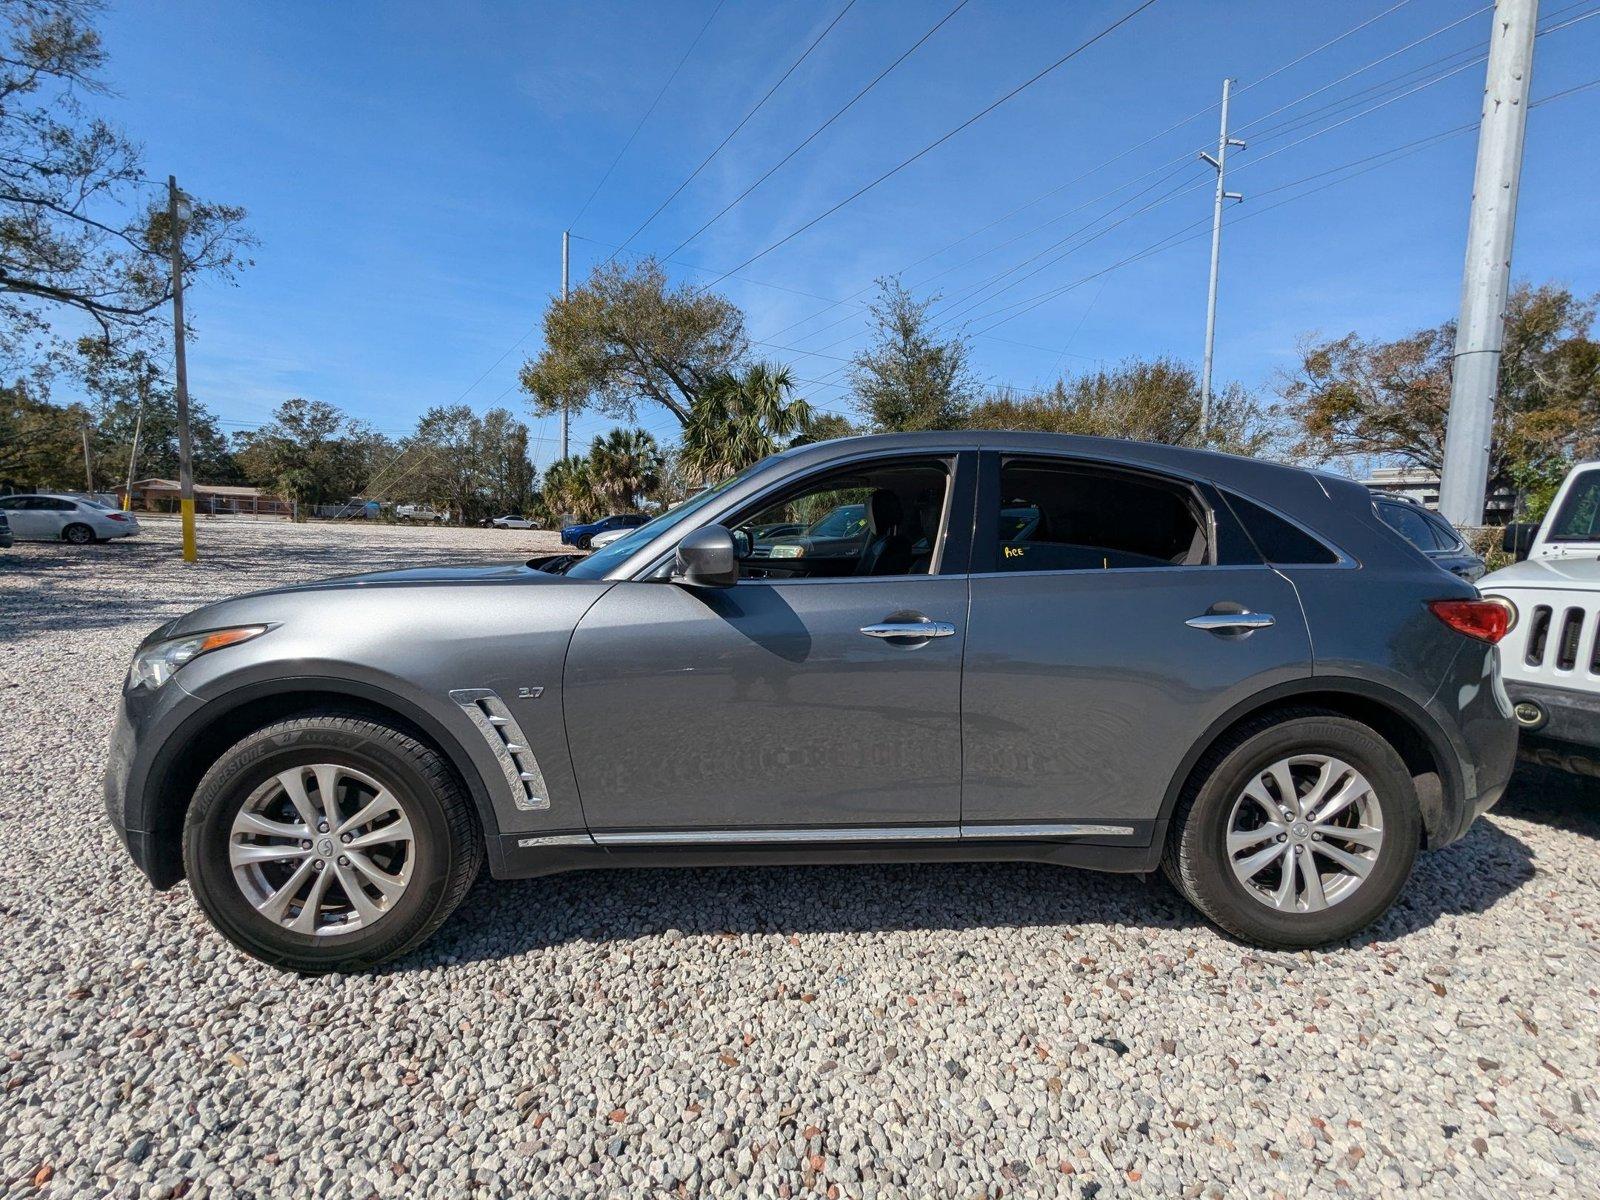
[
  {"x": 329, "y": 842},
  {"x": 1298, "y": 830}
]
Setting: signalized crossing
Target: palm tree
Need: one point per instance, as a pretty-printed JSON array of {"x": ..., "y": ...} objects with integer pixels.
[
  {"x": 739, "y": 419},
  {"x": 568, "y": 490},
  {"x": 625, "y": 468}
]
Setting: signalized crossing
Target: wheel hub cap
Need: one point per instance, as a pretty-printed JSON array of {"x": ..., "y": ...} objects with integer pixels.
[
  {"x": 1305, "y": 833},
  {"x": 322, "y": 849}
]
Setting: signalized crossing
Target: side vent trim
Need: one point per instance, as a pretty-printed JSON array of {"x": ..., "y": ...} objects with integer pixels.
[{"x": 508, "y": 744}]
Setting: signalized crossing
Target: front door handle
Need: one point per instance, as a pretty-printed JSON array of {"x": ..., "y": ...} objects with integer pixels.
[
  {"x": 1223, "y": 622},
  {"x": 910, "y": 629}
]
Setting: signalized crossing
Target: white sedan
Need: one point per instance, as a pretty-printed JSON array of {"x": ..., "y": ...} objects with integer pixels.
[
  {"x": 513, "y": 521},
  {"x": 50, "y": 518}
]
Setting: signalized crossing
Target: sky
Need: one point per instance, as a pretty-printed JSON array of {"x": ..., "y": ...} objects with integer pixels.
[{"x": 409, "y": 169}]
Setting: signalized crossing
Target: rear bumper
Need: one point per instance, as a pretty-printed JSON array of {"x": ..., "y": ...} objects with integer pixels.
[{"x": 1564, "y": 732}]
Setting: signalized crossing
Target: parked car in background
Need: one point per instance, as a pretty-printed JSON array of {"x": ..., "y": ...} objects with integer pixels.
[
  {"x": 1106, "y": 654},
  {"x": 5, "y": 531},
  {"x": 56, "y": 518},
  {"x": 600, "y": 541},
  {"x": 418, "y": 512},
  {"x": 513, "y": 521},
  {"x": 1432, "y": 534},
  {"x": 1551, "y": 658},
  {"x": 579, "y": 535}
]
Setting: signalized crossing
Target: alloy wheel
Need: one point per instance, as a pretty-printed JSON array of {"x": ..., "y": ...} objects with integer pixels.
[
  {"x": 1305, "y": 833},
  {"x": 322, "y": 849}
]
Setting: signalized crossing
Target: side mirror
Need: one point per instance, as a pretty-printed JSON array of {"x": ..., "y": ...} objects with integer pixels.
[
  {"x": 1518, "y": 538},
  {"x": 707, "y": 558}
]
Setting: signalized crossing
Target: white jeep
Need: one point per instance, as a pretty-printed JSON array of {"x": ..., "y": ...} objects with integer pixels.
[
  {"x": 1550, "y": 660},
  {"x": 417, "y": 512}
]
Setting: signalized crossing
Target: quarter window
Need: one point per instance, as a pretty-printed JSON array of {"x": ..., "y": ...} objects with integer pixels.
[
  {"x": 1280, "y": 543},
  {"x": 1076, "y": 517}
]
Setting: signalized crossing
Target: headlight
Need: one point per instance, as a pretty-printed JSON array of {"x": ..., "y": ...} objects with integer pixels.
[{"x": 154, "y": 665}]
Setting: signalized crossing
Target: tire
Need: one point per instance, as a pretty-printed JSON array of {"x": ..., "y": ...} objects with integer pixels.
[
  {"x": 436, "y": 863},
  {"x": 78, "y": 534},
  {"x": 1197, "y": 858},
  {"x": 583, "y": 542}
]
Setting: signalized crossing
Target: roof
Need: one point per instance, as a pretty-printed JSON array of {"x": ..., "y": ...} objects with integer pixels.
[{"x": 211, "y": 489}]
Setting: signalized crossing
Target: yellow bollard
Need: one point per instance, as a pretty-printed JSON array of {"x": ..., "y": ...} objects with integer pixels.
[{"x": 187, "y": 508}]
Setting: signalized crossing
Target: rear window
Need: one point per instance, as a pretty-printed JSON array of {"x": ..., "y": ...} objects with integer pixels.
[{"x": 1279, "y": 542}]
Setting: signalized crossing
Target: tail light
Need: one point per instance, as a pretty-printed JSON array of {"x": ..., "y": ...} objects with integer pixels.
[
  {"x": 116, "y": 516},
  {"x": 1486, "y": 620}
]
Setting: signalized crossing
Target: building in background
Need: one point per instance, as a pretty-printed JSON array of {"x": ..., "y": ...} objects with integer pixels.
[
  {"x": 1422, "y": 485},
  {"x": 161, "y": 495}
]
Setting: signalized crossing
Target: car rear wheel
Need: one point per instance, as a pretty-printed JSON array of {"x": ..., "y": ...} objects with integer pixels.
[
  {"x": 78, "y": 534},
  {"x": 330, "y": 842},
  {"x": 1298, "y": 830}
]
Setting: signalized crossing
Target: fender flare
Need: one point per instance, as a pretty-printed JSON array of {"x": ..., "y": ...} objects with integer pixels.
[
  {"x": 1445, "y": 752},
  {"x": 218, "y": 708}
]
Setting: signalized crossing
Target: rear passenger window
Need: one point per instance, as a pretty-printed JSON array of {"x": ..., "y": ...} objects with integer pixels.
[
  {"x": 1071, "y": 517},
  {"x": 1280, "y": 543}
]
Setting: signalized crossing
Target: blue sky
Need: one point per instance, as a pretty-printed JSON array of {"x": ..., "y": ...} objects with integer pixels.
[{"x": 409, "y": 169}]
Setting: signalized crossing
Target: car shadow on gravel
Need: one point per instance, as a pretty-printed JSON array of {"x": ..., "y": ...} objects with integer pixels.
[
  {"x": 503, "y": 919},
  {"x": 1555, "y": 798}
]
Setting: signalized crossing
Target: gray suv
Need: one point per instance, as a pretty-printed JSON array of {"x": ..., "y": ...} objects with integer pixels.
[{"x": 1094, "y": 653}]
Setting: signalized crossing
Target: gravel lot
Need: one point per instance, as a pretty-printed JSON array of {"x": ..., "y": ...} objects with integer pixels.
[{"x": 892, "y": 1031}]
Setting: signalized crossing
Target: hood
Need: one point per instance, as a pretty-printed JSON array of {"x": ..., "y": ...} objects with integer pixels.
[{"x": 1580, "y": 574}]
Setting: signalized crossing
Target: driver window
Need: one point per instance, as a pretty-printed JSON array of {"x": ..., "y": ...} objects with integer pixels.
[{"x": 872, "y": 519}]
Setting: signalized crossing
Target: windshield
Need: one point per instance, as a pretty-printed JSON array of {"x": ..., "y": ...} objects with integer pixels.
[
  {"x": 601, "y": 561},
  {"x": 841, "y": 522},
  {"x": 1579, "y": 518}
]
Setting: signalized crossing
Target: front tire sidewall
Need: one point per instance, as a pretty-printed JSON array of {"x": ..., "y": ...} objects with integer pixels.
[
  {"x": 1204, "y": 874},
  {"x": 223, "y": 791}
]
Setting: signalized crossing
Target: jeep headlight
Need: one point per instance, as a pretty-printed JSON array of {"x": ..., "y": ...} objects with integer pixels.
[{"x": 154, "y": 665}]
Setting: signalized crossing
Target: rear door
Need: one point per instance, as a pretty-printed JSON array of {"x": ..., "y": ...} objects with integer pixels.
[{"x": 1115, "y": 615}]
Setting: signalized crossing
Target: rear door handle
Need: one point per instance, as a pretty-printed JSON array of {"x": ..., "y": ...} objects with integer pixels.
[
  {"x": 910, "y": 629},
  {"x": 1223, "y": 622}
]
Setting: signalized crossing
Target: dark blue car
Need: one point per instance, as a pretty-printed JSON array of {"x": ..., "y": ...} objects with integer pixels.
[{"x": 579, "y": 535}]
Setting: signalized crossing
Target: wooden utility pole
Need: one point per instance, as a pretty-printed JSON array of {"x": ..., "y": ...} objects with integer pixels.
[
  {"x": 181, "y": 370},
  {"x": 138, "y": 426},
  {"x": 88, "y": 459}
]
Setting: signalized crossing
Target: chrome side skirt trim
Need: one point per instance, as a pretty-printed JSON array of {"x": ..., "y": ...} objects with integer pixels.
[
  {"x": 860, "y": 833},
  {"x": 508, "y": 744},
  {"x": 1053, "y": 829},
  {"x": 554, "y": 839}
]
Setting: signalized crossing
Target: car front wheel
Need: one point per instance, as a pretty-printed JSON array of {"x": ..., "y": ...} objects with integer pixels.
[
  {"x": 330, "y": 842},
  {"x": 78, "y": 534},
  {"x": 1297, "y": 830}
]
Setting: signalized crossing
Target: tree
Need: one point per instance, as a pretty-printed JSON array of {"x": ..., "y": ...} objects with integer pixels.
[
  {"x": 81, "y": 232},
  {"x": 568, "y": 490},
  {"x": 39, "y": 441},
  {"x": 1147, "y": 400},
  {"x": 910, "y": 378},
  {"x": 476, "y": 465},
  {"x": 1358, "y": 397},
  {"x": 312, "y": 453},
  {"x": 626, "y": 468},
  {"x": 131, "y": 392},
  {"x": 740, "y": 419},
  {"x": 627, "y": 336}
]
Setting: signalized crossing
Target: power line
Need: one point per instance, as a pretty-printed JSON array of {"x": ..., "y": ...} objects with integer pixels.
[
  {"x": 978, "y": 116},
  {"x": 704, "y": 162},
  {"x": 647, "y": 113},
  {"x": 810, "y": 137}
]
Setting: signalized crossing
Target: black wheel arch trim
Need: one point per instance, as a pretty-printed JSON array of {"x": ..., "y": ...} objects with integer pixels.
[
  {"x": 164, "y": 865},
  {"x": 1441, "y": 827}
]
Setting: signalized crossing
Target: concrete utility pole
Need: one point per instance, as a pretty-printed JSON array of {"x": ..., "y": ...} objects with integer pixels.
[
  {"x": 181, "y": 371},
  {"x": 1219, "y": 162},
  {"x": 88, "y": 460},
  {"x": 1480, "y": 330},
  {"x": 566, "y": 238}
]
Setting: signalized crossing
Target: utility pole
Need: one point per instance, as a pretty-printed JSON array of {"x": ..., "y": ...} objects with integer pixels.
[
  {"x": 1480, "y": 330},
  {"x": 566, "y": 239},
  {"x": 181, "y": 371},
  {"x": 88, "y": 460},
  {"x": 1219, "y": 162},
  {"x": 138, "y": 426}
]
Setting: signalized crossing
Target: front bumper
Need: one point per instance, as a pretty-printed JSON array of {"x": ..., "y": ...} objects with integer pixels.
[
  {"x": 145, "y": 720},
  {"x": 1562, "y": 726}
]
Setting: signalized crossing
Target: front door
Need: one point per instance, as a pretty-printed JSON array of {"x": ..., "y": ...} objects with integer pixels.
[
  {"x": 817, "y": 699},
  {"x": 1112, "y": 623}
]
